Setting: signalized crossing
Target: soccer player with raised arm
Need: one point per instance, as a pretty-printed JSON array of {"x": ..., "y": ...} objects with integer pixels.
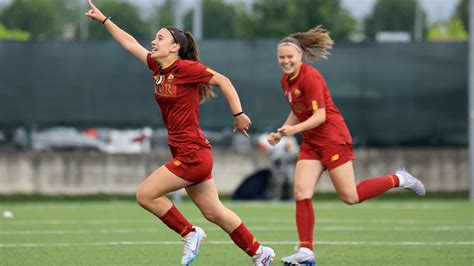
[{"x": 180, "y": 83}]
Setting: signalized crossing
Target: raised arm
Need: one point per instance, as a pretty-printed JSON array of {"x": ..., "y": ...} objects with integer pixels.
[
  {"x": 241, "y": 120},
  {"x": 127, "y": 41}
]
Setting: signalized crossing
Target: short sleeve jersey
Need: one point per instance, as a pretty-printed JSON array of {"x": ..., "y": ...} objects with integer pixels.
[
  {"x": 308, "y": 92},
  {"x": 177, "y": 94}
]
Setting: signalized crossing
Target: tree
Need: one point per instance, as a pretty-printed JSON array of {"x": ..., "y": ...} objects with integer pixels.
[
  {"x": 123, "y": 14},
  {"x": 219, "y": 19},
  {"x": 392, "y": 15},
  {"x": 278, "y": 18},
  {"x": 13, "y": 35},
  {"x": 38, "y": 17},
  {"x": 164, "y": 16},
  {"x": 462, "y": 11},
  {"x": 452, "y": 30}
]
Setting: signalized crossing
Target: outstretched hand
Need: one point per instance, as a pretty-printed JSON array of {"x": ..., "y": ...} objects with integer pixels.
[
  {"x": 273, "y": 138},
  {"x": 94, "y": 13},
  {"x": 287, "y": 130},
  {"x": 242, "y": 123}
]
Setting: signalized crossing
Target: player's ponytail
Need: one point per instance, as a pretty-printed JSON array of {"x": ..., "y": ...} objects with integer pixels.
[
  {"x": 189, "y": 50},
  {"x": 314, "y": 43}
]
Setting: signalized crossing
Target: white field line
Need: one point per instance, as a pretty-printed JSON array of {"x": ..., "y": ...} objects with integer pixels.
[
  {"x": 346, "y": 243},
  {"x": 291, "y": 221},
  {"x": 253, "y": 228},
  {"x": 250, "y": 205}
]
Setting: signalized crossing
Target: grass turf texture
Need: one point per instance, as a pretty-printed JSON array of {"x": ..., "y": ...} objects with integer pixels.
[{"x": 118, "y": 232}]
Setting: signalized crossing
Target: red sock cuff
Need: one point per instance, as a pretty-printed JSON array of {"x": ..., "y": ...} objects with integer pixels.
[
  {"x": 245, "y": 240},
  {"x": 395, "y": 180},
  {"x": 176, "y": 221}
]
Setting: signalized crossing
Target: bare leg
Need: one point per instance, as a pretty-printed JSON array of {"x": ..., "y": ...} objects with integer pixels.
[
  {"x": 151, "y": 194},
  {"x": 344, "y": 182},
  {"x": 307, "y": 176},
  {"x": 206, "y": 198}
]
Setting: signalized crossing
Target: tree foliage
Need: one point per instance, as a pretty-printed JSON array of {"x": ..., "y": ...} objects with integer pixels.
[
  {"x": 13, "y": 35},
  {"x": 125, "y": 15},
  {"x": 452, "y": 30},
  {"x": 38, "y": 17},
  {"x": 278, "y": 18},
  {"x": 462, "y": 11},
  {"x": 391, "y": 15}
]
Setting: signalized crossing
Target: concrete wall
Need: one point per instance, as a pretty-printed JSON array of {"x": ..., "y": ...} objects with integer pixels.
[{"x": 81, "y": 172}]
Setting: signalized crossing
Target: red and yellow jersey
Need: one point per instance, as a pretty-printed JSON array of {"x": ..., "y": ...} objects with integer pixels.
[
  {"x": 177, "y": 94},
  {"x": 308, "y": 92}
]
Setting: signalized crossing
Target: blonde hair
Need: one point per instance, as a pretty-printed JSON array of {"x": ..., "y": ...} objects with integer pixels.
[{"x": 314, "y": 43}]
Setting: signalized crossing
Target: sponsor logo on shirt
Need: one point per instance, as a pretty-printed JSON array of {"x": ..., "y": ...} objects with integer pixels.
[
  {"x": 161, "y": 87},
  {"x": 158, "y": 79}
]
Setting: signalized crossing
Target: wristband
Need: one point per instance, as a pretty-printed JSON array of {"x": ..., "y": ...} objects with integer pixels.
[
  {"x": 107, "y": 18},
  {"x": 237, "y": 114}
]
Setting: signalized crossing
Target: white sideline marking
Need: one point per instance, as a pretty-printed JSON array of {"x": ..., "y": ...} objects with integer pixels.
[
  {"x": 247, "y": 220},
  {"x": 253, "y": 228},
  {"x": 351, "y": 243},
  {"x": 322, "y": 205}
]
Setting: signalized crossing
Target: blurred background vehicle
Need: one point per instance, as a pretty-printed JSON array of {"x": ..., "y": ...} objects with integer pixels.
[{"x": 56, "y": 138}]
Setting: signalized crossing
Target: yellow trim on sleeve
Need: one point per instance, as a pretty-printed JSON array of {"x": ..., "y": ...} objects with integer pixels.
[
  {"x": 315, "y": 105},
  {"x": 211, "y": 71}
]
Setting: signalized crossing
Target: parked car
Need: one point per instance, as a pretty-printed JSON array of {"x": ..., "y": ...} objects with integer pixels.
[
  {"x": 58, "y": 138},
  {"x": 125, "y": 141}
]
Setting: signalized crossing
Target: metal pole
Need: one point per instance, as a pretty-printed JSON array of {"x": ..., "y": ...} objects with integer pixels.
[
  {"x": 471, "y": 99},
  {"x": 178, "y": 14},
  {"x": 418, "y": 27},
  {"x": 197, "y": 19}
]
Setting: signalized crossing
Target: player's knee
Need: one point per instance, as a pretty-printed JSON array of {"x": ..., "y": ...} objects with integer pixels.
[
  {"x": 142, "y": 198},
  {"x": 301, "y": 193},
  {"x": 214, "y": 216},
  {"x": 349, "y": 199}
]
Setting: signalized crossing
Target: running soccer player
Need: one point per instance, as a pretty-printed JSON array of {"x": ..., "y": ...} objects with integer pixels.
[
  {"x": 180, "y": 83},
  {"x": 327, "y": 143}
]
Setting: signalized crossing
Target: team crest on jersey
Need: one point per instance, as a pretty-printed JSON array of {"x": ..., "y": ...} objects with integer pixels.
[
  {"x": 297, "y": 92},
  {"x": 170, "y": 77}
]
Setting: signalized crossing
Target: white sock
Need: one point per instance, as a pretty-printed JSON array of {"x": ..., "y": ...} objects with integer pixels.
[{"x": 401, "y": 180}]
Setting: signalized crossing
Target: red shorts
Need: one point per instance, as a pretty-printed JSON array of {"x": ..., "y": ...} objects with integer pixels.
[
  {"x": 330, "y": 155},
  {"x": 193, "y": 165}
]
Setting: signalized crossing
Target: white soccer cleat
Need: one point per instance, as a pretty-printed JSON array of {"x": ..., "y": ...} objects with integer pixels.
[
  {"x": 411, "y": 183},
  {"x": 304, "y": 256},
  {"x": 264, "y": 256},
  {"x": 192, "y": 243}
]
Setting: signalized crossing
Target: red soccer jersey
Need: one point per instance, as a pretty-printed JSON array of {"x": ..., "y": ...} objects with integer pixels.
[
  {"x": 177, "y": 94},
  {"x": 306, "y": 93}
]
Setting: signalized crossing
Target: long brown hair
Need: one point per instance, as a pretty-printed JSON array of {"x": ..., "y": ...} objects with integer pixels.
[
  {"x": 189, "y": 50},
  {"x": 314, "y": 43}
]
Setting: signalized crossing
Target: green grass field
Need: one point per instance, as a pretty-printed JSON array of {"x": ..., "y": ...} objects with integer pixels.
[{"x": 378, "y": 232}]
